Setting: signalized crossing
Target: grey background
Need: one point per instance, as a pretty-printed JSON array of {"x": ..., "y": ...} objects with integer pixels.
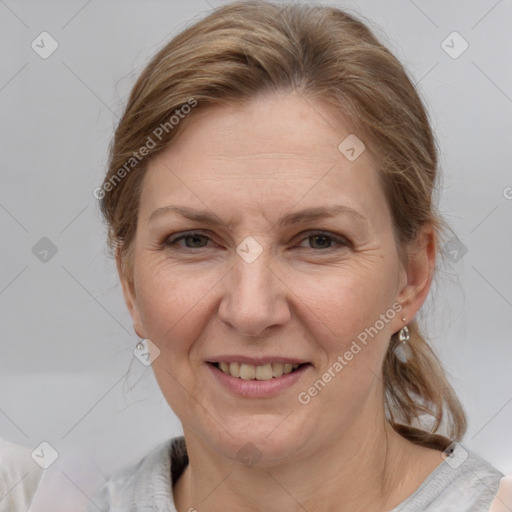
[{"x": 67, "y": 374}]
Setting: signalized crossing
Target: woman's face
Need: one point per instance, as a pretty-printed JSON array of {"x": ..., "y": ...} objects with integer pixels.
[{"x": 240, "y": 273}]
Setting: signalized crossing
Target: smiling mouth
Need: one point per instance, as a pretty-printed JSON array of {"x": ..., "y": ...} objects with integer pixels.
[{"x": 261, "y": 372}]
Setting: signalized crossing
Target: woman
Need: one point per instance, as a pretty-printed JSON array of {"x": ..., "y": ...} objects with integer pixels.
[{"x": 269, "y": 202}]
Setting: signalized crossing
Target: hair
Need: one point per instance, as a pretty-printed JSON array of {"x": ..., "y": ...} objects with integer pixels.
[{"x": 248, "y": 49}]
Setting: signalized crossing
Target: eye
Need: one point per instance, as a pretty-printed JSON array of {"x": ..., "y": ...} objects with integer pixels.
[
  {"x": 192, "y": 240},
  {"x": 320, "y": 240}
]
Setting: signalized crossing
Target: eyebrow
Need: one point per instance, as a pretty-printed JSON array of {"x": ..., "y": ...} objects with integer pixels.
[{"x": 306, "y": 215}]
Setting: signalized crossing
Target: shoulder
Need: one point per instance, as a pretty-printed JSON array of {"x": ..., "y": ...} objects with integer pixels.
[
  {"x": 145, "y": 485},
  {"x": 475, "y": 481},
  {"x": 463, "y": 481}
]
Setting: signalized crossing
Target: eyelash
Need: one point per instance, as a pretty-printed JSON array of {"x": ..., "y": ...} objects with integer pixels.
[{"x": 169, "y": 242}]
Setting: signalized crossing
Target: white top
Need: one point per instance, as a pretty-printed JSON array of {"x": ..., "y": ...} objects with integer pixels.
[
  {"x": 32, "y": 480},
  {"x": 19, "y": 477},
  {"x": 463, "y": 482}
]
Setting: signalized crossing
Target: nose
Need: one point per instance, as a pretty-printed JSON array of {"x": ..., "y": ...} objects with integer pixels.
[{"x": 254, "y": 298}]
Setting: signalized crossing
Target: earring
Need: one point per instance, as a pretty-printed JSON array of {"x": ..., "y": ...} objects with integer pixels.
[
  {"x": 140, "y": 345},
  {"x": 403, "y": 349}
]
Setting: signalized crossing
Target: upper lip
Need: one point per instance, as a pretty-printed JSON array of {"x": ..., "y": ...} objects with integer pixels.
[{"x": 256, "y": 361}]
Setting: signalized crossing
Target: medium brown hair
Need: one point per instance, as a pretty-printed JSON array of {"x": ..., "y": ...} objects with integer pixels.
[{"x": 246, "y": 49}]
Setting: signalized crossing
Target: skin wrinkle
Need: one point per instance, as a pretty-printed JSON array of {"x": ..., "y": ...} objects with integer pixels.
[
  {"x": 338, "y": 452},
  {"x": 359, "y": 233}
]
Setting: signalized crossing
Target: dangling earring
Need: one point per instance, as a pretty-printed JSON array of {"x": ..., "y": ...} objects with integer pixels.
[{"x": 403, "y": 349}]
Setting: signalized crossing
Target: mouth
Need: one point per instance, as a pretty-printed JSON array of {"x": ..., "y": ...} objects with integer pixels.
[{"x": 262, "y": 372}]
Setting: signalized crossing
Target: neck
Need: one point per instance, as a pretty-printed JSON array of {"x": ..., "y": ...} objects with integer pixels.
[{"x": 365, "y": 469}]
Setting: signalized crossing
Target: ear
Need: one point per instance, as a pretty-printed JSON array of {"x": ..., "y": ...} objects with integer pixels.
[
  {"x": 421, "y": 256},
  {"x": 130, "y": 298}
]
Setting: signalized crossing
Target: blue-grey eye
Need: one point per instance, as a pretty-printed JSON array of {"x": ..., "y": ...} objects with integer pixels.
[
  {"x": 325, "y": 241},
  {"x": 192, "y": 240}
]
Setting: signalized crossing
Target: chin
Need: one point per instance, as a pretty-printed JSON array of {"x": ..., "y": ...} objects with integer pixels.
[{"x": 262, "y": 440}]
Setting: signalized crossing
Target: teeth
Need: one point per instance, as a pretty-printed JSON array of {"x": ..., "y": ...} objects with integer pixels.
[
  {"x": 277, "y": 369},
  {"x": 247, "y": 371},
  {"x": 234, "y": 370},
  {"x": 261, "y": 372},
  {"x": 264, "y": 372}
]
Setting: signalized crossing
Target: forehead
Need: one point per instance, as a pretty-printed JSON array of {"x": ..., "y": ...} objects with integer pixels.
[
  {"x": 271, "y": 126},
  {"x": 278, "y": 149}
]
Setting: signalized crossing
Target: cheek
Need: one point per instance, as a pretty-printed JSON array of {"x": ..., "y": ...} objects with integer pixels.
[
  {"x": 353, "y": 338},
  {"x": 334, "y": 303},
  {"x": 343, "y": 302},
  {"x": 172, "y": 305}
]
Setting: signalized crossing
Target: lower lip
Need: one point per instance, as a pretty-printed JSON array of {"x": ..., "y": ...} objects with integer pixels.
[{"x": 258, "y": 388}]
